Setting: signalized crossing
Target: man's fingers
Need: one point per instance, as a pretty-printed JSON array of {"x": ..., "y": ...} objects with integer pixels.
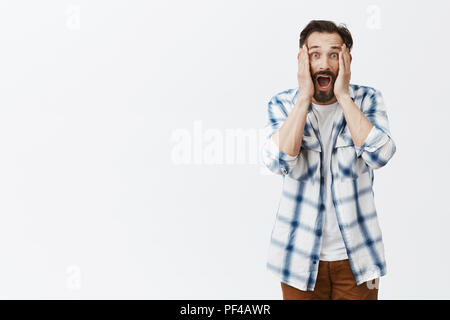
[
  {"x": 306, "y": 54},
  {"x": 347, "y": 59},
  {"x": 305, "y": 68},
  {"x": 341, "y": 60},
  {"x": 301, "y": 60}
]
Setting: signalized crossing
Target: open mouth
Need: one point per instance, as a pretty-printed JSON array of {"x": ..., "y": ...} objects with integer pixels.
[{"x": 323, "y": 81}]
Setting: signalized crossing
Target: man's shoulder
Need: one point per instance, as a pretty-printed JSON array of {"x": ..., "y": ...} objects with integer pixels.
[
  {"x": 362, "y": 91},
  {"x": 285, "y": 96},
  {"x": 367, "y": 98}
]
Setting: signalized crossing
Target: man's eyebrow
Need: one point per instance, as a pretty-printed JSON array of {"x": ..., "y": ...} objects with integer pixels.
[{"x": 318, "y": 47}]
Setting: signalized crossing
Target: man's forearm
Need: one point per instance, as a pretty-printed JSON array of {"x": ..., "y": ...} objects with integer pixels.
[
  {"x": 357, "y": 122},
  {"x": 289, "y": 136}
]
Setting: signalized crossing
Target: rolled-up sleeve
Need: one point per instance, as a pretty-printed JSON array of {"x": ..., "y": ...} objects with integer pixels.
[
  {"x": 379, "y": 147},
  {"x": 273, "y": 157}
]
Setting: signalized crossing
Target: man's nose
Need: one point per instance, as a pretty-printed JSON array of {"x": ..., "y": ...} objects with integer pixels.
[{"x": 323, "y": 64}]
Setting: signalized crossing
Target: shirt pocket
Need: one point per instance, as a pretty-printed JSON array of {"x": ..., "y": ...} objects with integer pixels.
[
  {"x": 349, "y": 166},
  {"x": 308, "y": 166}
]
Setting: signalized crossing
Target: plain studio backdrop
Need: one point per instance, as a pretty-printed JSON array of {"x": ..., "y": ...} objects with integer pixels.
[{"x": 130, "y": 135}]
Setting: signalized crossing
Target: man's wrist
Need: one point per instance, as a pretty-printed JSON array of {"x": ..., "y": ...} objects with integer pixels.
[
  {"x": 303, "y": 102},
  {"x": 343, "y": 97}
]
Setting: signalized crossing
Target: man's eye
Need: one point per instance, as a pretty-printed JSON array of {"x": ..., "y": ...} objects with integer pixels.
[
  {"x": 334, "y": 55},
  {"x": 314, "y": 54}
]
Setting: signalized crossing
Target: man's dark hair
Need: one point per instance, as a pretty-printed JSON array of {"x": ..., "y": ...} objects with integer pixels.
[{"x": 328, "y": 27}]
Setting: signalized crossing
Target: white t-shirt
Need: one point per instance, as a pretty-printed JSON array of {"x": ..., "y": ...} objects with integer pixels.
[{"x": 333, "y": 246}]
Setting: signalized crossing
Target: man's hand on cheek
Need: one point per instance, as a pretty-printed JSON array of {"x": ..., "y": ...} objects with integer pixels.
[{"x": 341, "y": 86}]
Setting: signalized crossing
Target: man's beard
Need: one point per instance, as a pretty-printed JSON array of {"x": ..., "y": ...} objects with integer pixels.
[{"x": 321, "y": 95}]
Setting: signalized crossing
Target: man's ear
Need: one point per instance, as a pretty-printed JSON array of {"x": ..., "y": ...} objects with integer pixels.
[{"x": 350, "y": 57}]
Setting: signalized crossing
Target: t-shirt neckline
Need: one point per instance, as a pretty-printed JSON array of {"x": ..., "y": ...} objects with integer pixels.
[{"x": 329, "y": 106}]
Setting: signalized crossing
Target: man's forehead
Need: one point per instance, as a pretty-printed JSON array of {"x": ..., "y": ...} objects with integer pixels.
[{"x": 324, "y": 41}]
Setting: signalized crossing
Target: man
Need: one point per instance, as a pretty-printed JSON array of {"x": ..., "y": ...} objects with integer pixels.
[{"x": 325, "y": 138}]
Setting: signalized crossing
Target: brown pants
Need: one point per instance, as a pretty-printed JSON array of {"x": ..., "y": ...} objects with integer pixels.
[{"x": 335, "y": 281}]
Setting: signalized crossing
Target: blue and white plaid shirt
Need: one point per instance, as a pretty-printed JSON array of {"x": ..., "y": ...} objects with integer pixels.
[{"x": 295, "y": 241}]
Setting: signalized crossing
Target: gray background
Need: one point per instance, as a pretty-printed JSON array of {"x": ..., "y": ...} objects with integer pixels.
[{"x": 101, "y": 99}]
